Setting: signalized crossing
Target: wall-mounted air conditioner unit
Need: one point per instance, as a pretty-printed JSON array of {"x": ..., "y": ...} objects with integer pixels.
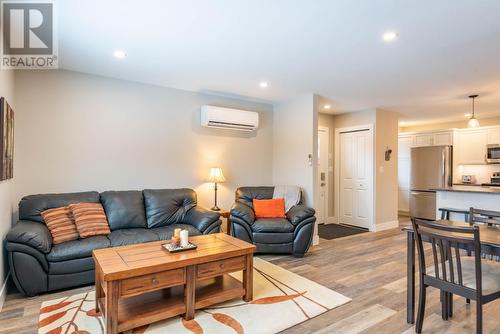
[{"x": 226, "y": 118}]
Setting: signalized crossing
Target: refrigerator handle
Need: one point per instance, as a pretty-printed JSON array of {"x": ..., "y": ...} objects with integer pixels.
[{"x": 443, "y": 167}]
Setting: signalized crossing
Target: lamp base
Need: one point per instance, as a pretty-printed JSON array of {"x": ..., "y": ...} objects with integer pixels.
[{"x": 215, "y": 208}]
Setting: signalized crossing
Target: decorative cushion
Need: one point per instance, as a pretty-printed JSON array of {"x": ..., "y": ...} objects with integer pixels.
[
  {"x": 90, "y": 219},
  {"x": 269, "y": 208},
  {"x": 60, "y": 224}
]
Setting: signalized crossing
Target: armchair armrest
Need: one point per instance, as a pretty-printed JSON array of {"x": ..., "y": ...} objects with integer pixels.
[
  {"x": 201, "y": 218},
  {"x": 298, "y": 213},
  {"x": 243, "y": 212},
  {"x": 33, "y": 234}
]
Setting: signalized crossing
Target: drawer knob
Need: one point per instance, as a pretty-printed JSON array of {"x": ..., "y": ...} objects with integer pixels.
[
  {"x": 222, "y": 265},
  {"x": 155, "y": 281}
]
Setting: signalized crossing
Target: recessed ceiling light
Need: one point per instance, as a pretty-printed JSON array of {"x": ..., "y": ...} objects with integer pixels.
[
  {"x": 263, "y": 84},
  {"x": 390, "y": 36},
  {"x": 327, "y": 106},
  {"x": 119, "y": 54}
]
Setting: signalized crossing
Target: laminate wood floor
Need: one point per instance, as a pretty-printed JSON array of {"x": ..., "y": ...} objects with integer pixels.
[{"x": 370, "y": 268}]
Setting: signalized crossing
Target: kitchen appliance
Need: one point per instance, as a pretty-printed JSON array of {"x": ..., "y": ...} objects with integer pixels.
[
  {"x": 468, "y": 179},
  {"x": 493, "y": 154},
  {"x": 431, "y": 168}
]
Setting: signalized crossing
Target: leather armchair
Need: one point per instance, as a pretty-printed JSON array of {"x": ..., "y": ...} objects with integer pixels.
[{"x": 290, "y": 235}]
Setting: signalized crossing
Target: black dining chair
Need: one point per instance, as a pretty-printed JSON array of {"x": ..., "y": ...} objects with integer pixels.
[
  {"x": 466, "y": 276},
  {"x": 488, "y": 217}
]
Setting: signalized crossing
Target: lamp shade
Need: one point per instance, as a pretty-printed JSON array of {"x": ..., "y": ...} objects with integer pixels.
[{"x": 216, "y": 175}]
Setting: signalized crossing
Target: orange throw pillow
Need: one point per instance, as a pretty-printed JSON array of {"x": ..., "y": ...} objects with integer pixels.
[
  {"x": 60, "y": 224},
  {"x": 269, "y": 208},
  {"x": 90, "y": 219}
]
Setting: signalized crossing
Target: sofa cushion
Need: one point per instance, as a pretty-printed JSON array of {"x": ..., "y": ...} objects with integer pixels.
[
  {"x": 167, "y": 206},
  {"x": 90, "y": 219},
  {"x": 246, "y": 195},
  {"x": 272, "y": 238},
  {"x": 272, "y": 225},
  {"x": 31, "y": 207},
  {"x": 131, "y": 236},
  {"x": 124, "y": 209},
  {"x": 61, "y": 224},
  {"x": 71, "y": 266},
  {"x": 166, "y": 232},
  {"x": 77, "y": 248}
]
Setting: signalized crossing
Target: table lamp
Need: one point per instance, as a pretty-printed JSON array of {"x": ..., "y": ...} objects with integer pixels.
[{"x": 216, "y": 176}]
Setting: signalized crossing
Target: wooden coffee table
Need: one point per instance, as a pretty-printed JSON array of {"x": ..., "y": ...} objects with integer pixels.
[{"x": 144, "y": 283}]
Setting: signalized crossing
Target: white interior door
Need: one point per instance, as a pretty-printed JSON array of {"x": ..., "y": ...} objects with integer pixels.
[
  {"x": 322, "y": 205},
  {"x": 356, "y": 182}
]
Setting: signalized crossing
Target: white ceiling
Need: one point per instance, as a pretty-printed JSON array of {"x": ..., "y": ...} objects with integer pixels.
[{"x": 447, "y": 49}]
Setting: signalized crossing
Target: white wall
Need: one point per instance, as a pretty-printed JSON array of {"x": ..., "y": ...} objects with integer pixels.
[
  {"x": 77, "y": 132},
  {"x": 6, "y": 187},
  {"x": 295, "y": 138}
]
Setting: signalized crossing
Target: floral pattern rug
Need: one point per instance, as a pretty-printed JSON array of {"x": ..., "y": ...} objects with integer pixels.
[{"x": 282, "y": 299}]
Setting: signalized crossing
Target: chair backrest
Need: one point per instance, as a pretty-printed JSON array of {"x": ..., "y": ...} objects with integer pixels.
[
  {"x": 484, "y": 217},
  {"x": 447, "y": 241}
]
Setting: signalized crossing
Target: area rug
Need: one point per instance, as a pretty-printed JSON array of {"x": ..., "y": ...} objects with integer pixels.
[
  {"x": 334, "y": 231},
  {"x": 282, "y": 299}
]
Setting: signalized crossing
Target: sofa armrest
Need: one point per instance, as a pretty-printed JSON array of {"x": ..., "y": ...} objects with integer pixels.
[
  {"x": 32, "y": 234},
  {"x": 201, "y": 218},
  {"x": 243, "y": 212},
  {"x": 298, "y": 213}
]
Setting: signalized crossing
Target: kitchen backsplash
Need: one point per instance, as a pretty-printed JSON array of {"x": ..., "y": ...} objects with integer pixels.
[{"x": 482, "y": 173}]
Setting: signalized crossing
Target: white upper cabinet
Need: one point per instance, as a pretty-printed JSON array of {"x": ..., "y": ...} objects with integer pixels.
[
  {"x": 472, "y": 146},
  {"x": 405, "y": 143},
  {"x": 424, "y": 139},
  {"x": 493, "y": 136},
  {"x": 442, "y": 138}
]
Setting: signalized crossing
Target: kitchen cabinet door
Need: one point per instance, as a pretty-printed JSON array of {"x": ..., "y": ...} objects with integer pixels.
[
  {"x": 424, "y": 139},
  {"x": 442, "y": 138},
  {"x": 493, "y": 136},
  {"x": 472, "y": 147},
  {"x": 405, "y": 143}
]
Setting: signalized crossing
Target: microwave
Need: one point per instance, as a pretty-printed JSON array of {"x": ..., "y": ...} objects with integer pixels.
[{"x": 493, "y": 154}]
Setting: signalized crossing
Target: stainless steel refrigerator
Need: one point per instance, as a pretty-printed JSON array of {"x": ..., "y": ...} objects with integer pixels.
[{"x": 431, "y": 168}]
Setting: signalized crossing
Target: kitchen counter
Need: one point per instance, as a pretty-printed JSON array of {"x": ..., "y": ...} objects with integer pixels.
[{"x": 470, "y": 189}]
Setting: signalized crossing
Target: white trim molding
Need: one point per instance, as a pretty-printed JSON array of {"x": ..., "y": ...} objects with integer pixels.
[
  {"x": 386, "y": 225},
  {"x": 3, "y": 291}
]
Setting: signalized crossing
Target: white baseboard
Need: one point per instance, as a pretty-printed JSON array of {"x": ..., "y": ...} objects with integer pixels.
[
  {"x": 404, "y": 213},
  {"x": 3, "y": 291},
  {"x": 386, "y": 225},
  {"x": 331, "y": 220}
]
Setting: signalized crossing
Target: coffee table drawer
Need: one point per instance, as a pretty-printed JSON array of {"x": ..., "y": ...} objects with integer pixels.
[
  {"x": 151, "y": 282},
  {"x": 217, "y": 268}
]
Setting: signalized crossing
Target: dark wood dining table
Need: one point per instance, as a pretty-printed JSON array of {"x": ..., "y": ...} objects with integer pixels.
[{"x": 490, "y": 245}]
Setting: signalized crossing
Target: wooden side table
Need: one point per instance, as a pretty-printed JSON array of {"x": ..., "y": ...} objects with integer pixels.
[{"x": 226, "y": 214}]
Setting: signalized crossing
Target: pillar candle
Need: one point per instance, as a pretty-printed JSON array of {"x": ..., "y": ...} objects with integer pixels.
[
  {"x": 184, "y": 238},
  {"x": 177, "y": 232}
]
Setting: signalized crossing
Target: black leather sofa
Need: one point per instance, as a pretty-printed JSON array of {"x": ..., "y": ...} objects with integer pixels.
[
  {"x": 290, "y": 235},
  {"x": 38, "y": 266}
]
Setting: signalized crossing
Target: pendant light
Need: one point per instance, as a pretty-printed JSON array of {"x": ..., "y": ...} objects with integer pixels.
[{"x": 473, "y": 122}]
